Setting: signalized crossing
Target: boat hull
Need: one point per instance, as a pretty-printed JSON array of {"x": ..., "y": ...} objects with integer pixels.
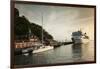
[
  {"x": 42, "y": 49},
  {"x": 19, "y": 51}
]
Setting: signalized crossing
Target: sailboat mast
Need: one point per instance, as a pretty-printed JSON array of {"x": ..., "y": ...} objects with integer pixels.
[
  {"x": 42, "y": 28},
  {"x": 29, "y": 33}
]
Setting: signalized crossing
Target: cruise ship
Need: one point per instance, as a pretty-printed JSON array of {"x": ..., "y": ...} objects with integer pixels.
[{"x": 79, "y": 37}]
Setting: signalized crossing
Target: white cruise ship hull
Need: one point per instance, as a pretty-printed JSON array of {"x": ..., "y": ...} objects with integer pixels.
[
  {"x": 42, "y": 49},
  {"x": 78, "y": 40}
]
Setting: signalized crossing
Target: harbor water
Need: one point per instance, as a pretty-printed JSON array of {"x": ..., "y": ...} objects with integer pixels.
[{"x": 63, "y": 54}]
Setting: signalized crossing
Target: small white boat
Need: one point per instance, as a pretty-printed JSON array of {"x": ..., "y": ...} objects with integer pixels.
[{"x": 23, "y": 47}]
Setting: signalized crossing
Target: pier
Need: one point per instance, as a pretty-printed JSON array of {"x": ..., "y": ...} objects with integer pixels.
[{"x": 61, "y": 43}]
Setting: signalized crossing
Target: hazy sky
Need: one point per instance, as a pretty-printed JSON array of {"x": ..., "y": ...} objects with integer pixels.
[{"x": 60, "y": 22}]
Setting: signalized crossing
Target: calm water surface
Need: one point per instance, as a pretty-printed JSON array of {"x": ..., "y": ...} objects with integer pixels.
[{"x": 62, "y": 54}]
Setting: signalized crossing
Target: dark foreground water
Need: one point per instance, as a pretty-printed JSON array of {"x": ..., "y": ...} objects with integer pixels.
[{"x": 62, "y": 54}]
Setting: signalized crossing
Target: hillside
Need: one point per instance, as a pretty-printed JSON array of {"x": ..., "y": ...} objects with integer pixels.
[{"x": 22, "y": 26}]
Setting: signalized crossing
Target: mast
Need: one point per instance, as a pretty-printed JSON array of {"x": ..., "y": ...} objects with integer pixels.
[
  {"x": 42, "y": 28},
  {"x": 29, "y": 33}
]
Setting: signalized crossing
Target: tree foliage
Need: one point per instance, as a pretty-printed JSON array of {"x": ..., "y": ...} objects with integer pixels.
[{"x": 22, "y": 27}]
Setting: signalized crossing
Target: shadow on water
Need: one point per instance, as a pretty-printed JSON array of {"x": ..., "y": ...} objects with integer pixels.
[
  {"x": 26, "y": 59},
  {"x": 30, "y": 59}
]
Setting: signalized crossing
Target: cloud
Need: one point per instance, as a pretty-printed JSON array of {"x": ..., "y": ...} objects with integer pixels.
[{"x": 60, "y": 21}]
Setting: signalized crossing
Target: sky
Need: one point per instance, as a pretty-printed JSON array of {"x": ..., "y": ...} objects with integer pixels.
[{"x": 59, "y": 21}]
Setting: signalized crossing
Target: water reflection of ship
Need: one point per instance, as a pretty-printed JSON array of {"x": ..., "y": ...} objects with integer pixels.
[
  {"x": 76, "y": 51},
  {"x": 80, "y": 37}
]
